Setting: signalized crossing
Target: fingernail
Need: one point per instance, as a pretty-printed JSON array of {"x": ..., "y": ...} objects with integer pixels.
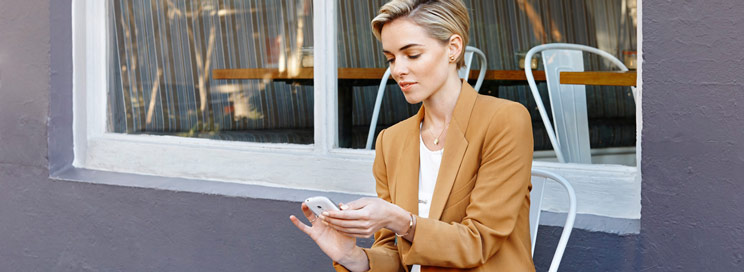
[
  {"x": 325, "y": 213},
  {"x": 344, "y": 207}
]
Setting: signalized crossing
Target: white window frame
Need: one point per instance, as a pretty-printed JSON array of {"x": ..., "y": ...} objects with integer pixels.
[{"x": 320, "y": 166}]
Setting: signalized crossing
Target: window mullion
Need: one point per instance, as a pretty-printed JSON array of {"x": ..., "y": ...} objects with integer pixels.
[{"x": 325, "y": 75}]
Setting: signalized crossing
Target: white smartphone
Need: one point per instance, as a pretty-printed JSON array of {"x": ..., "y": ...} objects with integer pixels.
[{"x": 319, "y": 204}]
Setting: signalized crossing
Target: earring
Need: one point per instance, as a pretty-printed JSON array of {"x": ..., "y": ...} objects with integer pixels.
[{"x": 452, "y": 58}]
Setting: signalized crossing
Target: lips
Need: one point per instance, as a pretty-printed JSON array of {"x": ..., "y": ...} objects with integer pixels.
[{"x": 406, "y": 86}]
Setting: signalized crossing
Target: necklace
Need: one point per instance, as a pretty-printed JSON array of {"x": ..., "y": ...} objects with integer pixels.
[{"x": 436, "y": 139}]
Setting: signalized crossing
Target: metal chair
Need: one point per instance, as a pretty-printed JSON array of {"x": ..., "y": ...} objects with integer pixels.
[
  {"x": 570, "y": 138},
  {"x": 536, "y": 196},
  {"x": 463, "y": 72}
]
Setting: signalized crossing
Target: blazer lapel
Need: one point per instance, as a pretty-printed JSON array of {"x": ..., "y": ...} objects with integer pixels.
[
  {"x": 454, "y": 150},
  {"x": 407, "y": 181}
]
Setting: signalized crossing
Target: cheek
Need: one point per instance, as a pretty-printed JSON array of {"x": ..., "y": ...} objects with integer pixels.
[
  {"x": 438, "y": 70},
  {"x": 434, "y": 68}
]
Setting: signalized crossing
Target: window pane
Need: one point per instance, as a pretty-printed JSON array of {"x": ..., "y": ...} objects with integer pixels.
[
  {"x": 164, "y": 55},
  {"x": 520, "y": 25},
  {"x": 502, "y": 30},
  {"x": 357, "y": 86}
]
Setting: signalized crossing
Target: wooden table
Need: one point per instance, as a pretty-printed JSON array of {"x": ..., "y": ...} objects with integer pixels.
[
  {"x": 375, "y": 74},
  {"x": 355, "y": 73},
  {"x": 599, "y": 78}
]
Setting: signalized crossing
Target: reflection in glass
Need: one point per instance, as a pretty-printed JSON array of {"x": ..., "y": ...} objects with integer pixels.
[
  {"x": 163, "y": 53},
  {"x": 501, "y": 29}
]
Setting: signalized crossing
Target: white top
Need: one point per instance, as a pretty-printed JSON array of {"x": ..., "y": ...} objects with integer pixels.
[{"x": 429, "y": 162}]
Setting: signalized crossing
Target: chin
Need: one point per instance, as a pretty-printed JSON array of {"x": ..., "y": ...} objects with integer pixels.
[{"x": 412, "y": 99}]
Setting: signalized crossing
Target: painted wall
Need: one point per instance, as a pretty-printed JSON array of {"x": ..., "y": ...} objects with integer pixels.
[
  {"x": 691, "y": 168},
  {"x": 693, "y": 137}
]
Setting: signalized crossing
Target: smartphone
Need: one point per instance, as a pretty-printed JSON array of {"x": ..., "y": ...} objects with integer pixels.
[{"x": 319, "y": 204}]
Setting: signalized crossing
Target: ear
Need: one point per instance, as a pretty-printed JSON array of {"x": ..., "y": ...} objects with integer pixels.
[{"x": 455, "y": 45}]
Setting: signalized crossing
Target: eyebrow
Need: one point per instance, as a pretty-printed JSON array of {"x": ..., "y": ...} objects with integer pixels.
[{"x": 404, "y": 47}]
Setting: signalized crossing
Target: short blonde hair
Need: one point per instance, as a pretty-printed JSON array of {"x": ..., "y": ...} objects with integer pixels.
[{"x": 440, "y": 18}]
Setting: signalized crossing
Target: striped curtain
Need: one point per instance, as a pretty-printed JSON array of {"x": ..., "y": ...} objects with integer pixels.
[{"x": 163, "y": 52}]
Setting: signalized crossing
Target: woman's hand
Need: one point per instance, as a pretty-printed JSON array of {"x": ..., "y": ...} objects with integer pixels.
[
  {"x": 334, "y": 244},
  {"x": 363, "y": 217}
]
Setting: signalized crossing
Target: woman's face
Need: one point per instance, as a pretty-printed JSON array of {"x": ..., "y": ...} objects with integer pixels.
[{"x": 419, "y": 63}]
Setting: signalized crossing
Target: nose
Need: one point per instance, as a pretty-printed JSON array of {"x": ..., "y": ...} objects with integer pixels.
[{"x": 398, "y": 68}]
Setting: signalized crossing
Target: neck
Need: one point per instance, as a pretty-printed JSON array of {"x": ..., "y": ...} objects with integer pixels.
[{"x": 441, "y": 105}]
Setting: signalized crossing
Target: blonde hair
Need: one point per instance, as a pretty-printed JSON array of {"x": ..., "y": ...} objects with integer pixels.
[{"x": 440, "y": 18}]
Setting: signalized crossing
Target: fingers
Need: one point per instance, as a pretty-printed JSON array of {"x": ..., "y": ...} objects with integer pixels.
[
  {"x": 304, "y": 228},
  {"x": 353, "y": 232},
  {"x": 348, "y": 214},
  {"x": 356, "y": 204},
  {"x": 345, "y": 223},
  {"x": 360, "y": 209},
  {"x": 355, "y": 228},
  {"x": 351, "y": 211},
  {"x": 307, "y": 212}
]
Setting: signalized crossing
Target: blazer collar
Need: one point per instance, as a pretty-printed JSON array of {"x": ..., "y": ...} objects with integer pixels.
[{"x": 454, "y": 150}]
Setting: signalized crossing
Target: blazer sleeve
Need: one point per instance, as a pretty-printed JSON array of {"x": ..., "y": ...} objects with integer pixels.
[
  {"x": 501, "y": 188},
  {"x": 383, "y": 255}
]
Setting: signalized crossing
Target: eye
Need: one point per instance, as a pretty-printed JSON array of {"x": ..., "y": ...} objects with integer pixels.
[
  {"x": 414, "y": 56},
  {"x": 389, "y": 61}
]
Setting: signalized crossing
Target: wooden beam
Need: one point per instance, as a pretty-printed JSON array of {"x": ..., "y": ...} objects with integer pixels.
[
  {"x": 354, "y": 73},
  {"x": 508, "y": 75},
  {"x": 599, "y": 78},
  {"x": 361, "y": 73},
  {"x": 261, "y": 73}
]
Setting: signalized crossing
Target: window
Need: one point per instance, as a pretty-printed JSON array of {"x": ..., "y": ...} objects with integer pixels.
[
  {"x": 254, "y": 92},
  {"x": 163, "y": 54},
  {"x": 147, "y": 74}
]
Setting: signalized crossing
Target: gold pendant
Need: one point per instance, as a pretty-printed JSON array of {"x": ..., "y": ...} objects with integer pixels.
[{"x": 436, "y": 141}]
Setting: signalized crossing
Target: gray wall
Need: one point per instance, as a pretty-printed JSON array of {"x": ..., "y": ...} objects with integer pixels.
[
  {"x": 693, "y": 135},
  {"x": 692, "y": 154}
]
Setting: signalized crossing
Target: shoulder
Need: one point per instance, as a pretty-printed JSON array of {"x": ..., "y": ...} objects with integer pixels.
[
  {"x": 506, "y": 126},
  {"x": 394, "y": 133},
  {"x": 493, "y": 106},
  {"x": 499, "y": 112}
]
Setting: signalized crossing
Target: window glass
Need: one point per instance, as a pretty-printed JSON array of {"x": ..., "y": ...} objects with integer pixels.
[
  {"x": 361, "y": 66},
  {"x": 504, "y": 31},
  {"x": 219, "y": 69}
]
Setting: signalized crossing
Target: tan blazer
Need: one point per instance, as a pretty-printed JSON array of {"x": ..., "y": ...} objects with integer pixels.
[{"x": 479, "y": 217}]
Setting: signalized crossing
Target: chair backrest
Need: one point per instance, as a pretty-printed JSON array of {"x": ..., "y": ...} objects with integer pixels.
[
  {"x": 462, "y": 73},
  {"x": 570, "y": 138},
  {"x": 536, "y": 195}
]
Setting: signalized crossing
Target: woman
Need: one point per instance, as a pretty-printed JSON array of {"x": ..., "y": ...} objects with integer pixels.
[{"x": 473, "y": 214}]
